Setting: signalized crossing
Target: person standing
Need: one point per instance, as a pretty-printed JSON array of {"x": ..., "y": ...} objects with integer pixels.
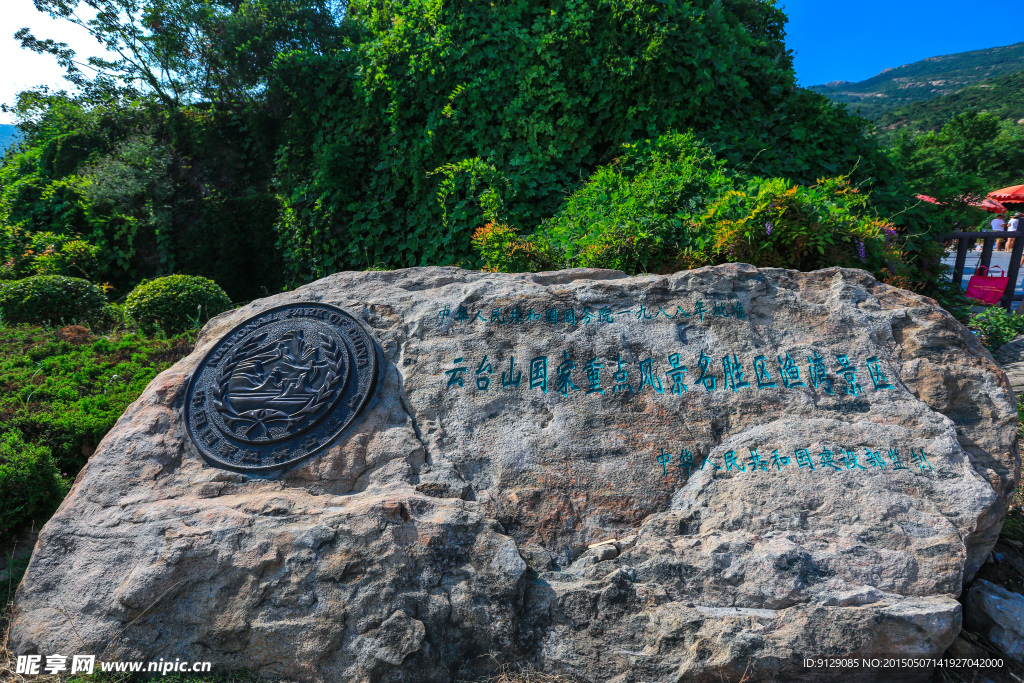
[
  {"x": 1012, "y": 226},
  {"x": 999, "y": 225}
]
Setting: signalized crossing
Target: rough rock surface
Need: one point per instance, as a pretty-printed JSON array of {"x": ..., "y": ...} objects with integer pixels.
[
  {"x": 457, "y": 526},
  {"x": 1011, "y": 357},
  {"x": 997, "y": 614}
]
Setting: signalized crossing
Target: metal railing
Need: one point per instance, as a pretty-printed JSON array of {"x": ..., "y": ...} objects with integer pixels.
[{"x": 964, "y": 242}]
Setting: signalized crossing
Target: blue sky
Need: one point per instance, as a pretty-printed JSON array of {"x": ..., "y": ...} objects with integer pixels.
[
  {"x": 848, "y": 41},
  {"x": 853, "y": 41}
]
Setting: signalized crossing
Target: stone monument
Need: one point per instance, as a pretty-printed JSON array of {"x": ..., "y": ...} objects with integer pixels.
[{"x": 415, "y": 475}]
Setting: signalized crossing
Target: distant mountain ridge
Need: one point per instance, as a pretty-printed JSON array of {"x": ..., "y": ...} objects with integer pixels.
[
  {"x": 1002, "y": 96},
  {"x": 924, "y": 80},
  {"x": 8, "y": 134}
]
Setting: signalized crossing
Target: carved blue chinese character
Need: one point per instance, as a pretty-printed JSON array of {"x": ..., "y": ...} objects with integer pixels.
[
  {"x": 875, "y": 370},
  {"x": 455, "y": 375},
  {"x": 819, "y": 373},
  {"x": 875, "y": 459},
  {"x": 648, "y": 378},
  {"x": 734, "y": 373},
  {"x": 700, "y": 309},
  {"x": 826, "y": 460},
  {"x": 496, "y": 316},
  {"x": 588, "y": 316},
  {"x": 483, "y": 375},
  {"x": 620, "y": 379},
  {"x": 755, "y": 461},
  {"x": 704, "y": 364},
  {"x": 662, "y": 310},
  {"x": 444, "y": 313},
  {"x": 479, "y": 316},
  {"x": 686, "y": 462},
  {"x": 643, "y": 313},
  {"x": 539, "y": 373},
  {"x": 849, "y": 373},
  {"x": 803, "y": 458},
  {"x": 461, "y": 315},
  {"x": 789, "y": 372},
  {"x": 920, "y": 460},
  {"x": 676, "y": 374},
  {"x": 513, "y": 377},
  {"x": 606, "y": 315},
  {"x": 569, "y": 316},
  {"x": 664, "y": 459},
  {"x": 737, "y": 310},
  {"x": 850, "y": 460},
  {"x": 764, "y": 378},
  {"x": 897, "y": 461},
  {"x": 730, "y": 462},
  {"x": 564, "y": 383},
  {"x": 593, "y": 370},
  {"x": 779, "y": 460},
  {"x": 681, "y": 311},
  {"x": 515, "y": 316},
  {"x": 718, "y": 310},
  {"x": 531, "y": 317},
  {"x": 707, "y": 461},
  {"x": 551, "y": 316}
]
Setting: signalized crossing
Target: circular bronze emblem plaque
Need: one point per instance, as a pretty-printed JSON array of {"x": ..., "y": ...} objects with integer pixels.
[{"x": 281, "y": 386}]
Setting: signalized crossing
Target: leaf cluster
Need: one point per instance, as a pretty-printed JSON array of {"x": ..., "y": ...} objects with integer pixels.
[
  {"x": 175, "y": 303},
  {"x": 31, "y": 486},
  {"x": 668, "y": 204},
  {"x": 996, "y": 326},
  {"x": 64, "y": 388},
  {"x": 439, "y": 118},
  {"x": 53, "y": 300}
]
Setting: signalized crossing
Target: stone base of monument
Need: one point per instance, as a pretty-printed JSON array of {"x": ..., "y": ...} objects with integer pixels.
[{"x": 720, "y": 473}]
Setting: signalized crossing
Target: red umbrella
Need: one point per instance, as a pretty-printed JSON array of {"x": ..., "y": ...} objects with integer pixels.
[
  {"x": 985, "y": 204},
  {"x": 990, "y": 205},
  {"x": 1013, "y": 194}
]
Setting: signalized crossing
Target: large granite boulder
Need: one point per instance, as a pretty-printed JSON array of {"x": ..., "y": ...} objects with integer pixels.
[{"x": 687, "y": 477}]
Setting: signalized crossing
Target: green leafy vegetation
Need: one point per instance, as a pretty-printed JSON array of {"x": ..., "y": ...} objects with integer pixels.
[
  {"x": 31, "y": 486},
  {"x": 970, "y": 156},
  {"x": 996, "y": 326},
  {"x": 175, "y": 303},
  {"x": 667, "y": 204},
  {"x": 64, "y": 388},
  {"x": 53, "y": 300},
  {"x": 438, "y": 119}
]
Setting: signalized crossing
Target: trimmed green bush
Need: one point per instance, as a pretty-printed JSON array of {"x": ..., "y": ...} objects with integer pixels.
[
  {"x": 175, "y": 303},
  {"x": 31, "y": 486},
  {"x": 52, "y": 300}
]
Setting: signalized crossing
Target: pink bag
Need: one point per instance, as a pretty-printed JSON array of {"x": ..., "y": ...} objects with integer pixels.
[{"x": 986, "y": 287}]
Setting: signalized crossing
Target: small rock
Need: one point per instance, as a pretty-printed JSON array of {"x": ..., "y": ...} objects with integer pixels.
[{"x": 998, "y": 615}]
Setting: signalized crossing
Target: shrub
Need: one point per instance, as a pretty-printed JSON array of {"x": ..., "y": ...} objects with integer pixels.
[
  {"x": 65, "y": 388},
  {"x": 52, "y": 300},
  {"x": 31, "y": 486},
  {"x": 667, "y": 204},
  {"x": 436, "y": 113},
  {"x": 45, "y": 253},
  {"x": 773, "y": 222},
  {"x": 996, "y": 326},
  {"x": 175, "y": 303}
]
